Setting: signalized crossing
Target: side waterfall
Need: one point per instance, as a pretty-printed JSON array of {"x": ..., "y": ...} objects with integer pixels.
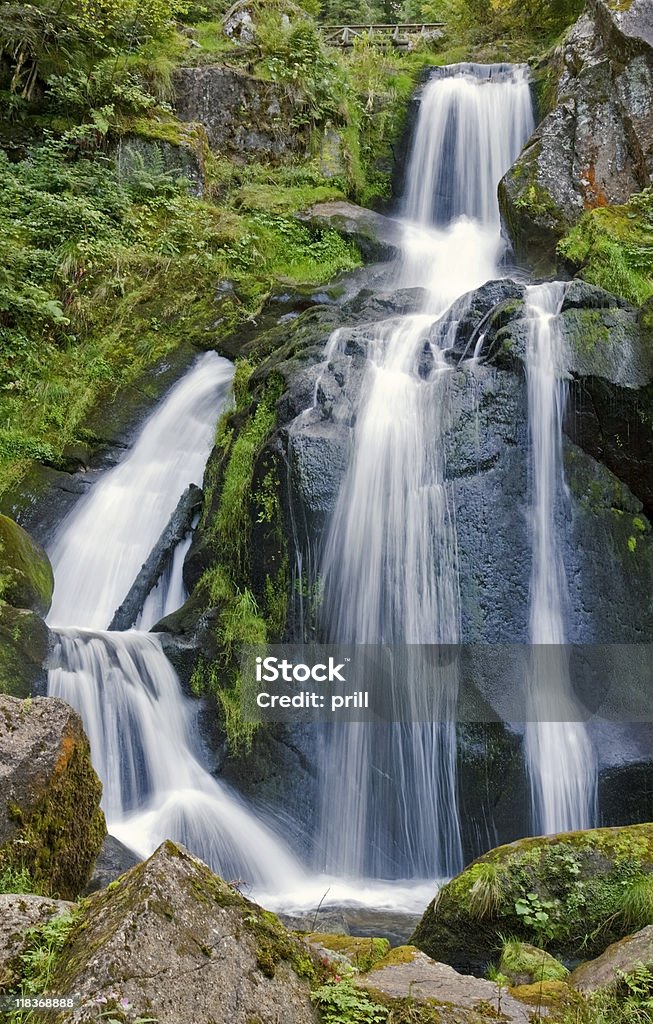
[
  {"x": 389, "y": 568},
  {"x": 560, "y": 755},
  {"x": 141, "y": 728}
]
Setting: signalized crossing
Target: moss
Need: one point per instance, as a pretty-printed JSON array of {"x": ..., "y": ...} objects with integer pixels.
[
  {"x": 553, "y": 994},
  {"x": 26, "y": 578},
  {"x": 23, "y": 650},
  {"x": 363, "y": 953},
  {"x": 60, "y": 835},
  {"x": 522, "y": 959},
  {"x": 559, "y": 893},
  {"x": 612, "y": 247},
  {"x": 397, "y": 955}
]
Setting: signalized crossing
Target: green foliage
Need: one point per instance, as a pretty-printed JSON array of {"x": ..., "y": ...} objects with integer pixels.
[
  {"x": 612, "y": 247},
  {"x": 342, "y": 1003},
  {"x": 487, "y": 890},
  {"x": 637, "y": 902},
  {"x": 630, "y": 1001},
  {"x": 536, "y": 913},
  {"x": 17, "y": 880},
  {"x": 45, "y": 943}
]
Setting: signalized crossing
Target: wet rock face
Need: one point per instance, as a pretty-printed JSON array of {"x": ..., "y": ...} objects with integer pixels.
[
  {"x": 185, "y": 948},
  {"x": 242, "y": 116},
  {"x": 50, "y": 817},
  {"x": 596, "y": 146}
]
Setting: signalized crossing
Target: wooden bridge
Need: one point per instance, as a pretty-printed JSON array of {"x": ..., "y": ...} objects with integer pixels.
[{"x": 390, "y": 35}]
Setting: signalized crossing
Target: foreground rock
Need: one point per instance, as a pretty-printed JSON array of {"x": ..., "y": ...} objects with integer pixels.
[
  {"x": 377, "y": 237},
  {"x": 183, "y": 947},
  {"x": 623, "y": 956},
  {"x": 50, "y": 817},
  {"x": 575, "y": 880},
  {"x": 596, "y": 145},
  {"x": 457, "y": 997},
  {"x": 18, "y": 914}
]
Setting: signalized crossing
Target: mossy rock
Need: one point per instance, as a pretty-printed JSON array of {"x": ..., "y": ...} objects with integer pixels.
[
  {"x": 524, "y": 964},
  {"x": 184, "y": 947},
  {"x": 26, "y": 579},
  {"x": 23, "y": 649},
  {"x": 561, "y": 893},
  {"x": 51, "y": 823},
  {"x": 359, "y": 952}
]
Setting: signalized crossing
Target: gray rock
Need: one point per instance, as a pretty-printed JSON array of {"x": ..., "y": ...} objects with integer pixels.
[
  {"x": 158, "y": 560},
  {"x": 602, "y": 973},
  {"x": 235, "y": 110},
  {"x": 50, "y": 819},
  {"x": 114, "y": 859},
  {"x": 596, "y": 145},
  {"x": 184, "y": 947},
  {"x": 422, "y": 979},
  {"x": 19, "y": 913},
  {"x": 378, "y": 237}
]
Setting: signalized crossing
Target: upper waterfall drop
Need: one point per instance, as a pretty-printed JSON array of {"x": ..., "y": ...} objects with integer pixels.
[
  {"x": 389, "y": 566},
  {"x": 103, "y": 543},
  {"x": 473, "y": 121}
]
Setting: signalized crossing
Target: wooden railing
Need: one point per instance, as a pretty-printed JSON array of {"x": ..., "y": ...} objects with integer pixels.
[{"x": 395, "y": 35}]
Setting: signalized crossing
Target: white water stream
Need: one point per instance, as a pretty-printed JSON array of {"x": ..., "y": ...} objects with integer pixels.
[
  {"x": 141, "y": 728},
  {"x": 389, "y": 568},
  {"x": 561, "y": 758}
]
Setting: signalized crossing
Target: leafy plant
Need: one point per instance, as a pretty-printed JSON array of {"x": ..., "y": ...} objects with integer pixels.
[
  {"x": 536, "y": 913},
  {"x": 16, "y": 880},
  {"x": 343, "y": 1003}
]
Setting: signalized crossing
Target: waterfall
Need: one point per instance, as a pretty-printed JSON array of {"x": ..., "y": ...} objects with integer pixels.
[
  {"x": 560, "y": 755},
  {"x": 141, "y": 728},
  {"x": 389, "y": 569}
]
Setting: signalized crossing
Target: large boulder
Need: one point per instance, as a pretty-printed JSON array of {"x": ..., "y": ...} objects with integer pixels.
[
  {"x": 18, "y": 915},
  {"x": 182, "y": 946},
  {"x": 50, "y": 818},
  {"x": 603, "y": 973},
  {"x": 596, "y": 145},
  {"x": 576, "y": 890}
]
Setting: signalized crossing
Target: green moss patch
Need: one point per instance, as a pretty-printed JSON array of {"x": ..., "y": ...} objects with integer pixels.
[
  {"x": 612, "y": 247},
  {"x": 578, "y": 890},
  {"x": 60, "y": 835}
]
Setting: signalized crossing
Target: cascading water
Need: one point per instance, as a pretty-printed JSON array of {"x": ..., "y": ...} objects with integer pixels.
[
  {"x": 389, "y": 566},
  {"x": 560, "y": 755},
  {"x": 141, "y": 728}
]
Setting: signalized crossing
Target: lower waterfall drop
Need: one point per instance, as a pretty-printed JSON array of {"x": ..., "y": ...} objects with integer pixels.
[
  {"x": 142, "y": 730},
  {"x": 560, "y": 756}
]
